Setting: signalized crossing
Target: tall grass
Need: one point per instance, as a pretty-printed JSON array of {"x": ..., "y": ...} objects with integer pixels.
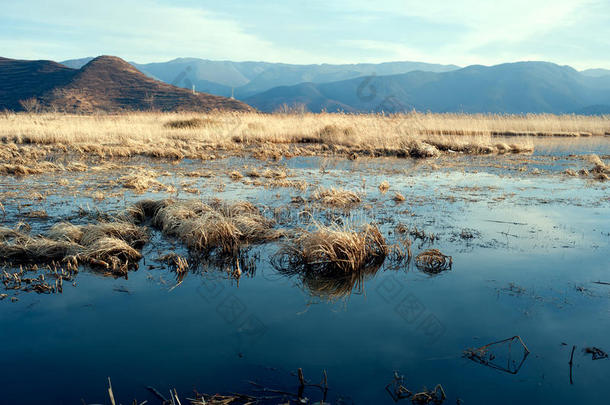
[{"x": 178, "y": 135}]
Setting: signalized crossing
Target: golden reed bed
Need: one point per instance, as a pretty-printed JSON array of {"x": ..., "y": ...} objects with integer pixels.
[{"x": 187, "y": 135}]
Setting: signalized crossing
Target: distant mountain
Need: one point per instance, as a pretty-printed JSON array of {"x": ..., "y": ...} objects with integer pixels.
[
  {"x": 105, "y": 83},
  {"x": 596, "y": 72},
  {"x": 521, "y": 87},
  {"x": 287, "y": 75},
  {"x": 243, "y": 79},
  {"x": 77, "y": 63}
]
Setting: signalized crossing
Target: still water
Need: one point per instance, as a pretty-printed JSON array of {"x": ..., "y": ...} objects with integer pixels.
[{"x": 539, "y": 245}]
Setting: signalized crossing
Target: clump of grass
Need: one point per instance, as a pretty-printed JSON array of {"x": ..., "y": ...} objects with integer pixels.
[
  {"x": 141, "y": 181},
  {"x": 190, "y": 123},
  {"x": 600, "y": 170},
  {"x": 332, "y": 250},
  {"x": 433, "y": 261},
  {"x": 18, "y": 247},
  {"x": 384, "y": 186},
  {"x": 235, "y": 175},
  {"x": 570, "y": 172},
  {"x": 333, "y": 134},
  {"x": 398, "y": 197},
  {"x": 274, "y": 174},
  {"x": 18, "y": 169},
  {"x": 336, "y": 197},
  {"x": 205, "y": 227},
  {"x": 111, "y": 253},
  {"x": 253, "y": 172},
  {"x": 177, "y": 262},
  {"x": 418, "y": 149},
  {"x": 112, "y": 246}
]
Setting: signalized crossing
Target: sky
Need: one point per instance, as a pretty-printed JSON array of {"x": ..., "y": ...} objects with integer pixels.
[{"x": 567, "y": 32}]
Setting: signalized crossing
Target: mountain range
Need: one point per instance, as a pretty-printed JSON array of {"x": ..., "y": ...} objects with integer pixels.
[
  {"x": 110, "y": 84},
  {"x": 106, "y": 83},
  {"x": 521, "y": 87},
  {"x": 244, "y": 79}
]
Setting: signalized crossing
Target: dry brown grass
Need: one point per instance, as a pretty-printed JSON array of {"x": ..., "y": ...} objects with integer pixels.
[
  {"x": 384, "y": 186},
  {"x": 336, "y": 197},
  {"x": 142, "y": 180},
  {"x": 332, "y": 250},
  {"x": 179, "y": 135},
  {"x": 432, "y": 261},
  {"x": 217, "y": 225},
  {"x": 600, "y": 170},
  {"x": 398, "y": 197},
  {"x": 235, "y": 175},
  {"x": 111, "y": 246}
]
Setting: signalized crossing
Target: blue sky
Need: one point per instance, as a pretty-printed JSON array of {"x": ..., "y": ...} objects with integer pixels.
[{"x": 573, "y": 32}]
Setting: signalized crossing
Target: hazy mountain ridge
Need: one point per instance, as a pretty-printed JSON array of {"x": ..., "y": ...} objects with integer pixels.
[
  {"x": 521, "y": 87},
  {"x": 244, "y": 79}
]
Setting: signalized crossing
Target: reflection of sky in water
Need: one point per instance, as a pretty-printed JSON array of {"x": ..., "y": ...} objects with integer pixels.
[{"x": 556, "y": 239}]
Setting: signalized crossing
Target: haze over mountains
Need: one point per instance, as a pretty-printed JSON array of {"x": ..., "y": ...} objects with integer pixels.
[
  {"x": 522, "y": 87},
  {"x": 244, "y": 79}
]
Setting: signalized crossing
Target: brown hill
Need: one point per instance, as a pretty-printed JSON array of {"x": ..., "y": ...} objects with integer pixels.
[
  {"x": 107, "y": 83},
  {"x": 21, "y": 80}
]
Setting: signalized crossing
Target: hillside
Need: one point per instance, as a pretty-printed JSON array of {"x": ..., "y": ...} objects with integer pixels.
[
  {"x": 21, "y": 80},
  {"x": 105, "y": 83},
  {"x": 535, "y": 87}
]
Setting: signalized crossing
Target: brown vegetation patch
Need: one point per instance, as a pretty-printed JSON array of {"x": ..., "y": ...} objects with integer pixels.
[
  {"x": 432, "y": 261},
  {"x": 111, "y": 246},
  {"x": 206, "y": 227},
  {"x": 332, "y": 250},
  {"x": 336, "y": 197},
  {"x": 190, "y": 123}
]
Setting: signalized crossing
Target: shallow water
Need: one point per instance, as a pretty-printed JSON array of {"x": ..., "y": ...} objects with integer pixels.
[{"x": 540, "y": 242}]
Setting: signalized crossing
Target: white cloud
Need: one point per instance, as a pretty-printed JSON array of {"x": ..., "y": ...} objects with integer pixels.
[
  {"x": 460, "y": 32},
  {"x": 142, "y": 31}
]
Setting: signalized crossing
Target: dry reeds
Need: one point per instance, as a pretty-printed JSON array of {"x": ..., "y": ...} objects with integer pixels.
[
  {"x": 190, "y": 123},
  {"x": 600, "y": 170},
  {"x": 332, "y": 250},
  {"x": 398, "y": 197},
  {"x": 217, "y": 225},
  {"x": 334, "y": 197},
  {"x": 384, "y": 186},
  {"x": 180, "y": 135},
  {"x": 141, "y": 181},
  {"x": 432, "y": 261},
  {"x": 112, "y": 246}
]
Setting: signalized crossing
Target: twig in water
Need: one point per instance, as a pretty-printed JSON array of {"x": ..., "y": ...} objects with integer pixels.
[
  {"x": 110, "y": 393},
  {"x": 571, "y": 363}
]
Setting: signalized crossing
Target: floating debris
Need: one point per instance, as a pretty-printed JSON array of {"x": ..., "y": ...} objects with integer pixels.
[
  {"x": 498, "y": 355},
  {"x": 596, "y": 353},
  {"x": 397, "y": 390}
]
